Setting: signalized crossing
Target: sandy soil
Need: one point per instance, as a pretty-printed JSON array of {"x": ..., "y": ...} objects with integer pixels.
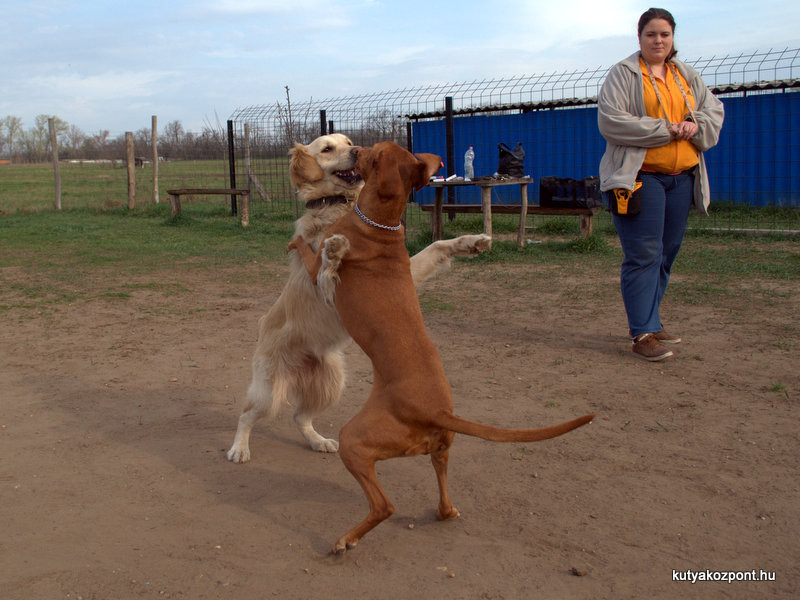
[{"x": 117, "y": 412}]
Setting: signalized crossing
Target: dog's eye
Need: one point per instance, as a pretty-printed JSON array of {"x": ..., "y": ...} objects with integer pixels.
[{"x": 327, "y": 149}]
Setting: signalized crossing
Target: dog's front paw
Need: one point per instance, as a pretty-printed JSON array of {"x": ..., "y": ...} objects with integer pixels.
[
  {"x": 467, "y": 245},
  {"x": 336, "y": 247},
  {"x": 333, "y": 250}
]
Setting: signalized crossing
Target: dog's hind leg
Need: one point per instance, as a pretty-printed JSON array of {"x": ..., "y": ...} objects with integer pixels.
[
  {"x": 380, "y": 508},
  {"x": 320, "y": 387},
  {"x": 359, "y": 453},
  {"x": 439, "y": 459},
  {"x": 261, "y": 400}
]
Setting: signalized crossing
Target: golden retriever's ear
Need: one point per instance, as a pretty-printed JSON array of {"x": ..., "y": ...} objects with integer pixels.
[
  {"x": 303, "y": 168},
  {"x": 428, "y": 167}
]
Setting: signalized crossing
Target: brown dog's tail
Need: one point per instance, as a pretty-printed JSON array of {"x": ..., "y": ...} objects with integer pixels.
[{"x": 451, "y": 422}]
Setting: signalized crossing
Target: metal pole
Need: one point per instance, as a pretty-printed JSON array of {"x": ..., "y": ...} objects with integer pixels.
[
  {"x": 451, "y": 160},
  {"x": 51, "y": 123},
  {"x": 154, "y": 137},
  {"x": 232, "y": 165},
  {"x": 323, "y": 123}
]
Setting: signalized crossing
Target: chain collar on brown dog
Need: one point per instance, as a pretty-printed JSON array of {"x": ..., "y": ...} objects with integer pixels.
[
  {"x": 369, "y": 221},
  {"x": 326, "y": 201}
]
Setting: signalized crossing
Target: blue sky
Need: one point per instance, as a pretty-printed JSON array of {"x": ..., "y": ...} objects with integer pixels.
[{"x": 110, "y": 65}]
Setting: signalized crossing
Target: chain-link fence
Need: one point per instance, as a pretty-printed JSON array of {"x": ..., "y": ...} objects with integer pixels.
[{"x": 264, "y": 133}]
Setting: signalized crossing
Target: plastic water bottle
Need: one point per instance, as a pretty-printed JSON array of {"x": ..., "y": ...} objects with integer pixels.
[{"x": 469, "y": 156}]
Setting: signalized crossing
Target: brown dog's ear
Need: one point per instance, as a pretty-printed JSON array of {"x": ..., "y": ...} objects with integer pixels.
[
  {"x": 302, "y": 166},
  {"x": 390, "y": 184},
  {"x": 428, "y": 167}
]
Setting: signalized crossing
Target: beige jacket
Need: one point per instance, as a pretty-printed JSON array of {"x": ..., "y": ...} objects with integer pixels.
[{"x": 629, "y": 132}]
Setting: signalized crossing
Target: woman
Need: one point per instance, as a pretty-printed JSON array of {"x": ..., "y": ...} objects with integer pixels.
[{"x": 657, "y": 117}]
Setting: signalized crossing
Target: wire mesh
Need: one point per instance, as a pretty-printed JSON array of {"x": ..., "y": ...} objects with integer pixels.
[{"x": 385, "y": 115}]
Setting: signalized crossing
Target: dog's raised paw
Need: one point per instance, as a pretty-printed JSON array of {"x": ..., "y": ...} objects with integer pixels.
[
  {"x": 336, "y": 247},
  {"x": 473, "y": 244}
]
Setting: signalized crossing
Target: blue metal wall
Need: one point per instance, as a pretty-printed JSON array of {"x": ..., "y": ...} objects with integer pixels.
[{"x": 757, "y": 160}]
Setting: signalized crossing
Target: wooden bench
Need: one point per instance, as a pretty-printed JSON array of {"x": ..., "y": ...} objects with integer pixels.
[
  {"x": 487, "y": 208},
  {"x": 175, "y": 199}
]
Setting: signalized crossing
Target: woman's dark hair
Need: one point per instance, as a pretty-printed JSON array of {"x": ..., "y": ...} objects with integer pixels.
[{"x": 658, "y": 13}]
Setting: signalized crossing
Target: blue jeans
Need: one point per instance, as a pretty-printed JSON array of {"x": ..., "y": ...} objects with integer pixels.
[{"x": 650, "y": 241}]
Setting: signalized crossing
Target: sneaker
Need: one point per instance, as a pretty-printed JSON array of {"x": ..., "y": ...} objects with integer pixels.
[
  {"x": 647, "y": 347},
  {"x": 666, "y": 337}
]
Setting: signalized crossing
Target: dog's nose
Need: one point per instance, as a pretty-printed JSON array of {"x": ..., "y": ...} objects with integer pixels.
[{"x": 355, "y": 150}]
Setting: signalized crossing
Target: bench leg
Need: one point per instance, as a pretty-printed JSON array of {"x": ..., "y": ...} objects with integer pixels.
[
  {"x": 175, "y": 203},
  {"x": 245, "y": 210},
  {"x": 587, "y": 225},
  {"x": 523, "y": 214},
  {"x": 486, "y": 209}
]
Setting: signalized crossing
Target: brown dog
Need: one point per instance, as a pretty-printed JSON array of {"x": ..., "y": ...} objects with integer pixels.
[
  {"x": 410, "y": 408},
  {"x": 299, "y": 358}
]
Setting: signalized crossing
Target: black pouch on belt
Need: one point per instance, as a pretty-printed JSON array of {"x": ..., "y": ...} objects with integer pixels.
[{"x": 624, "y": 202}]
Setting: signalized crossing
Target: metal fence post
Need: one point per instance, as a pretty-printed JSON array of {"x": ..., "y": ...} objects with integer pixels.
[
  {"x": 451, "y": 159},
  {"x": 232, "y": 167}
]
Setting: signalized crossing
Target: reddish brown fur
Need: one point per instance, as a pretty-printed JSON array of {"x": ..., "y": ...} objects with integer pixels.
[{"x": 410, "y": 407}]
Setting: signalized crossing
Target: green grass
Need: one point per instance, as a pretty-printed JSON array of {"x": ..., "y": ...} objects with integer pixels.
[
  {"x": 96, "y": 231},
  {"x": 31, "y": 188},
  {"x": 143, "y": 237}
]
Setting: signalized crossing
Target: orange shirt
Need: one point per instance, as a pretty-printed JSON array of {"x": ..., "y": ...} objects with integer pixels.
[{"x": 677, "y": 155}]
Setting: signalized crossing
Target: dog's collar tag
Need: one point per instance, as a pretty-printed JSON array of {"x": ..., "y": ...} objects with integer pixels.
[{"x": 369, "y": 221}]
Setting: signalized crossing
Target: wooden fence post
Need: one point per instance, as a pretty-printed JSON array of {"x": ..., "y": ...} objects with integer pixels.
[
  {"x": 155, "y": 159},
  {"x": 131, "y": 169},
  {"x": 54, "y": 145}
]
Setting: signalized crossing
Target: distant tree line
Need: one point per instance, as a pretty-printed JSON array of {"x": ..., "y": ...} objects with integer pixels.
[{"x": 32, "y": 145}]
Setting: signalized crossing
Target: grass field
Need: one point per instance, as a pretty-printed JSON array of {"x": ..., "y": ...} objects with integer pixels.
[
  {"x": 60, "y": 248},
  {"x": 30, "y": 188}
]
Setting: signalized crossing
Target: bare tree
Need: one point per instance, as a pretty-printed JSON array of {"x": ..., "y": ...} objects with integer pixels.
[
  {"x": 172, "y": 137},
  {"x": 13, "y": 130},
  {"x": 74, "y": 139}
]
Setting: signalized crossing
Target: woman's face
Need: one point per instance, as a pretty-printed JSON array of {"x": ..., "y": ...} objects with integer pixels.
[{"x": 655, "y": 41}]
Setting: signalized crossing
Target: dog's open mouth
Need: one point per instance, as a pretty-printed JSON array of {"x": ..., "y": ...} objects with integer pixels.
[{"x": 352, "y": 176}]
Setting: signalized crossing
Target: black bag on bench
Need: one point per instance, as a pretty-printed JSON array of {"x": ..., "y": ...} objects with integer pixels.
[
  {"x": 563, "y": 192},
  {"x": 510, "y": 162}
]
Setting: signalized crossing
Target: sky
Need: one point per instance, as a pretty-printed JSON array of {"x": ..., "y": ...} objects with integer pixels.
[{"x": 110, "y": 65}]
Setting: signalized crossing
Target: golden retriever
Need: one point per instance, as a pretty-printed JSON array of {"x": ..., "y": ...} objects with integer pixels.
[{"x": 298, "y": 358}]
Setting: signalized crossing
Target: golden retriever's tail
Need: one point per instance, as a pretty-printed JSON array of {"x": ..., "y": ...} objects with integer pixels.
[{"x": 451, "y": 422}]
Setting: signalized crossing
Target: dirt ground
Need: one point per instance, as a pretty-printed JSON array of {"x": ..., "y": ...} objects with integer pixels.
[{"x": 117, "y": 412}]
